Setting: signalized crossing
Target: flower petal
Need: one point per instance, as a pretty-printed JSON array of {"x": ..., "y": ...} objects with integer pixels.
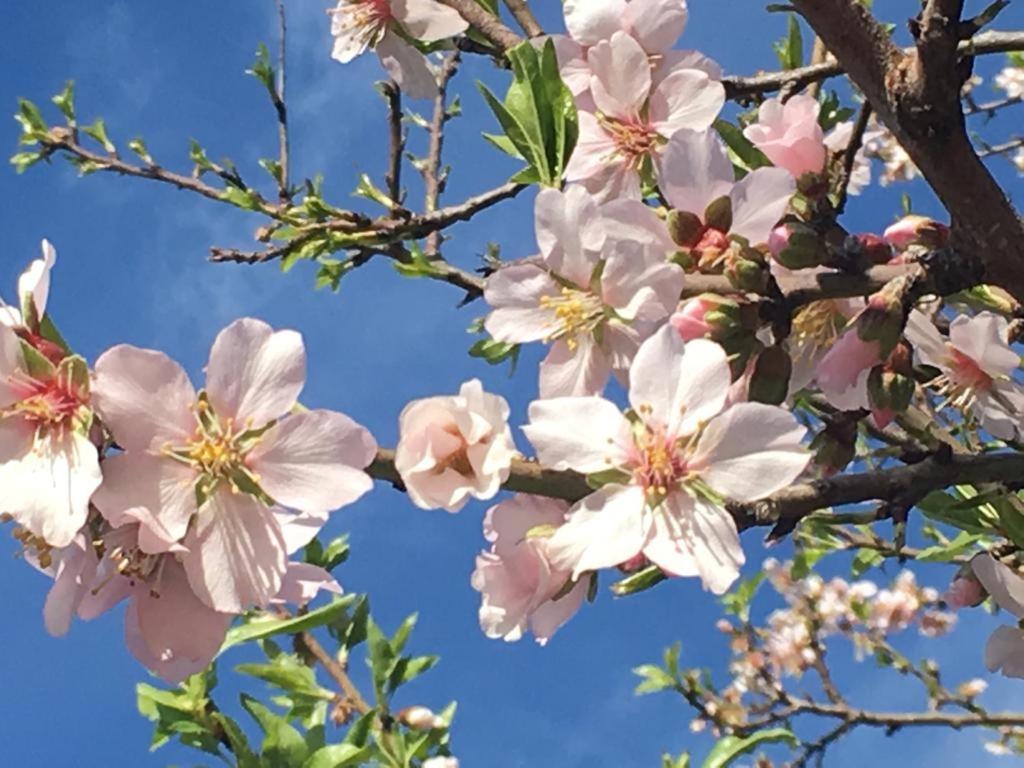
[
  {"x": 983, "y": 338},
  {"x": 581, "y": 433},
  {"x": 237, "y": 555},
  {"x": 1004, "y": 652},
  {"x": 427, "y": 20},
  {"x": 407, "y": 67},
  {"x": 1004, "y": 585},
  {"x": 580, "y": 370},
  {"x": 688, "y": 98},
  {"x": 694, "y": 170},
  {"x": 144, "y": 397},
  {"x": 656, "y": 24},
  {"x": 591, "y": 22},
  {"x": 515, "y": 293},
  {"x": 759, "y": 200},
  {"x": 928, "y": 343},
  {"x": 621, "y": 78},
  {"x": 303, "y": 582},
  {"x": 569, "y": 232},
  {"x": 751, "y": 451},
  {"x": 255, "y": 374}
]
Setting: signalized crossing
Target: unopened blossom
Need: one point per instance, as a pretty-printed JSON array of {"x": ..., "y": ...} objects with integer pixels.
[
  {"x": 49, "y": 469},
  {"x": 1005, "y": 649},
  {"x": 602, "y": 285},
  {"x": 691, "y": 321},
  {"x": 230, "y": 472},
  {"x": 441, "y": 761},
  {"x": 789, "y": 135},
  {"x": 674, "y": 460},
  {"x": 633, "y": 118},
  {"x": 972, "y": 689},
  {"x": 696, "y": 172},
  {"x": 655, "y": 24},
  {"x": 964, "y": 592},
  {"x": 361, "y": 25},
  {"x": 420, "y": 718},
  {"x": 976, "y": 364},
  {"x": 451, "y": 448},
  {"x": 916, "y": 230},
  {"x": 1011, "y": 81},
  {"x": 520, "y": 588}
]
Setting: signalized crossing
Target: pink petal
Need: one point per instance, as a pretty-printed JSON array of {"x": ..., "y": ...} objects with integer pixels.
[
  {"x": 10, "y": 363},
  {"x": 928, "y": 343},
  {"x": 605, "y": 529},
  {"x": 138, "y": 480},
  {"x": 507, "y": 524},
  {"x": 255, "y": 374},
  {"x": 508, "y": 586},
  {"x": 687, "y": 98},
  {"x": 676, "y": 384},
  {"x": 672, "y": 61},
  {"x": 303, "y": 582},
  {"x": 298, "y": 529},
  {"x": 73, "y": 578},
  {"x": 588, "y": 434},
  {"x": 569, "y": 232},
  {"x": 1004, "y": 585},
  {"x": 144, "y": 397},
  {"x": 694, "y": 170},
  {"x": 237, "y": 555},
  {"x": 693, "y": 538},
  {"x": 637, "y": 280},
  {"x": 632, "y": 221},
  {"x": 621, "y": 78},
  {"x": 314, "y": 461},
  {"x": 515, "y": 293},
  {"x": 656, "y": 24},
  {"x": 751, "y": 451},
  {"x": 591, "y": 22},
  {"x": 595, "y": 149},
  {"x": 1004, "y": 652},
  {"x": 759, "y": 200},
  {"x": 553, "y": 614},
  {"x": 566, "y": 371},
  {"x": 983, "y": 338},
  {"x": 572, "y": 64},
  {"x": 427, "y": 20},
  {"x": 407, "y": 67}
]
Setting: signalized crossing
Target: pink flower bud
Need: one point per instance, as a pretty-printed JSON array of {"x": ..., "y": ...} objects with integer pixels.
[
  {"x": 789, "y": 134},
  {"x": 964, "y": 592},
  {"x": 845, "y": 361},
  {"x": 916, "y": 230},
  {"x": 690, "y": 322}
]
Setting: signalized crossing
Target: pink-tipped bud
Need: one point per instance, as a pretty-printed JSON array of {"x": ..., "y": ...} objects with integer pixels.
[
  {"x": 917, "y": 230},
  {"x": 797, "y": 246},
  {"x": 705, "y": 316}
]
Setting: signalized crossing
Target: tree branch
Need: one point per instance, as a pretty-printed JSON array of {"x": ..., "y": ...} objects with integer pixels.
[{"x": 487, "y": 24}]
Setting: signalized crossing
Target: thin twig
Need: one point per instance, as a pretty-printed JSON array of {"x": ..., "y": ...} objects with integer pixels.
[
  {"x": 433, "y": 174},
  {"x": 850, "y": 155},
  {"x": 337, "y": 672},
  {"x": 396, "y": 142},
  {"x": 280, "y": 105}
]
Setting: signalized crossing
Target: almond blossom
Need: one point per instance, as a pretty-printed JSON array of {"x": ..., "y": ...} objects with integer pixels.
[
  {"x": 230, "y": 473},
  {"x": 1004, "y": 651},
  {"x": 655, "y": 24},
  {"x": 977, "y": 365},
  {"x": 789, "y": 135},
  {"x": 49, "y": 469},
  {"x": 520, "y": 588},
  {"x": 454, "y": 447},
  {"x": 696, "y": 171},
  {"x": 603, "y": 283},
  {"x": 671, "y": 464},
  {"x": 633, "y": 117},
  {"x": 383, "y": 25}
]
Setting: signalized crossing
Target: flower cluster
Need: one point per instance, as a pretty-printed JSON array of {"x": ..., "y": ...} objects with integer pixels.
[{"x": 125, "y": 483}]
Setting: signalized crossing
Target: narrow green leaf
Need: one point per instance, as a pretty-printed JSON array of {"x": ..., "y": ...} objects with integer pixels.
[
  {"x": 731, "y": 747},
  {"x": 267, "y": 625}
]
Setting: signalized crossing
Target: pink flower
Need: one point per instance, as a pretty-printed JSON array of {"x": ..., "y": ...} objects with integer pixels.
[
  {"x": 633, "y": 117},
  {"x": 73, "y": 569},
  {"x": 681, "y": 444},
  {"x": 695, "y": 171},
  {"x": 48, "y": 467},
  {"x": 358, "y": 25},
  {"x": 911, "y": 230},
  {"x": 789, "y": 135},
  {"x": 689, "y": 321},
  {"x": 452, "y": 448},
  {"x": 603, "y": 284},
  {"x": 842, "y": 372},
  {"x": 977, "y": 365},
  {"x": 964, "y": 592},
  {"x": 227, "y": 472},
  {"x": 1005, "y": 649},
  {"x": 519, "y": 587}
]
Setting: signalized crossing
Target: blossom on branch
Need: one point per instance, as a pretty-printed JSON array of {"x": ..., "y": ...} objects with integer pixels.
[
  {"x": 385, "y": 25},
  {"x": 452, "y": 448},
  {"x": 789, "y": 135},
  {"x": 1005, "y": 649},
  {"x": 669, "y": 465},
  {"x": 602, "y": 285},
  {"x": 520, "y": 588},
  {"x": 230, "y": 473}
]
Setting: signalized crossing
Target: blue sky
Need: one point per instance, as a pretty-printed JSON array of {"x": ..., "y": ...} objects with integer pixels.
[{"x": 132, "y": 269}]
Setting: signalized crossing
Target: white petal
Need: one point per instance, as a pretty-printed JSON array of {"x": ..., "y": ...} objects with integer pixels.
[
  {"x": 759, "y": 200},
  {"x": 983, "y": 338},
  {"x": 687, "y": 98},
  {"x": 928, "y": 343},
  {"x": 407, "y": 67},
  {"x": 751, "y": 451},
  {"x": 694, "y": 170},
  {"x": 588, "y": 434},
  {"x": 621, "y": 78},
  {"x": 427, "y": 20},
  {"x": 1005, "y": 652},
  {"x": 569, "y": 232},
  {"x": 515, "y": 293},
  {"x": 591, "y": 21},
  {"x": 656, "y": 24},
  {"x": 581, "y": 371}
]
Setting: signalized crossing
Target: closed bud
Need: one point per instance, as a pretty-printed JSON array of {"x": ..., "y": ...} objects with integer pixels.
[
  {"x": 706, "y": 316},
  {"x": 882, "y": 321},
  {"x": 797, "y": 246},
  {"x": 718, "y": 214},
  {"x": 744, "y": 273},
  {"x": 871, "y": 248},
  {"x": 684, "y": 228},
  {"x": 917, "y": 230},
  {"x": 889, "y": 391},
  {"x": 420, "y": 719},
  {"x": 965, "y": 591},
  {"x": 990, "y": 297},
  {"x": 769, "y": 382}
]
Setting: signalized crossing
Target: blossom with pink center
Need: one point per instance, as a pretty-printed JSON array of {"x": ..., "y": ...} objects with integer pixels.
[
  {"x": 231, "y": 472},
  {"x": 602, "y": 285},
  {"x": 520, "y": 589},
  {"x": 655, "y": 24},
  {"x": 632, "y": 118},
  {"x": 695, "y": 171},
  {"x": 452, "y": 448},
  {"x": 49, "y": 469},
  {"x": 1005, "y": 649},
  {"x": 359, "y": 25},
  {"x": 977, "y": 365},
  {"x": 680, "y": 454},
  {"x": 789, "y": 135}
]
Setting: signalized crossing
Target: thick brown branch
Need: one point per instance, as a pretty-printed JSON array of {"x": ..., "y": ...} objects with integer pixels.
[{"x": 524, "y": 17}]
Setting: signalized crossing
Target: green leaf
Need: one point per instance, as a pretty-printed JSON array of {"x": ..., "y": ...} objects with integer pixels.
[
  {"x": 22, "y": 161},
  {"x": 741, "y": 151},
  {"x": 262, "y": 69},
  {"x": 737, "y": 602},
  {"x": 246, "y": 199},
  {"x": 790, "y": 49},
  {"x": 944, "y": 508},
  {"x": 98, "y": 131},
  {"x": 244, "y": 755},
  {"x": 267, "y": 625},
  {"x": 337, "y": 756},
  {"x": 31, "y": 119},
  {"x": 732, "y": 747},
  {"x": 330, "y": 557},
  {"x": 283, "y": 745},
  {"x": 296, "y": 678},
  {"x": 65, "y": 101},
  {"x": 655, "y": 679},
  {"x": 494, "y": 352},
  {"x": 638, "y": 582},
  {"x": 943, "y": 553}
]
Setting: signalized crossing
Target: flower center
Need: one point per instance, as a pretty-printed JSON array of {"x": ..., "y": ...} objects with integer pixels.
[
  {"x": 575, "y": 312},
  {"x": 659, "y": 462},
  {"x": 634, "y": 139},
  {"x": 967, "y": 373},
  {"x": 366, "y": 19},
  {"x": 817, "y": 326},
  {"x": 51, "y": 402}
]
